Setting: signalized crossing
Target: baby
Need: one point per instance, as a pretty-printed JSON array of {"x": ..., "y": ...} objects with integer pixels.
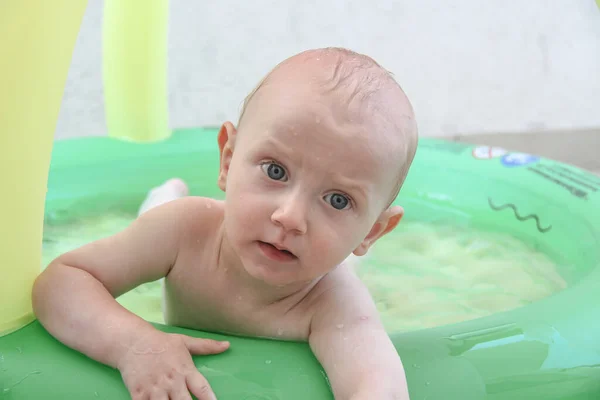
[{"x": 321, "y": 150}]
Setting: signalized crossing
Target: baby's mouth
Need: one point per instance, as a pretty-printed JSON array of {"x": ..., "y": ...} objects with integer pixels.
[{"x": 283, "y": 252}]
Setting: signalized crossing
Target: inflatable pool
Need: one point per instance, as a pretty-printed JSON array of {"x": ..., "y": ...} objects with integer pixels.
[{"x": 548, "y": 349}]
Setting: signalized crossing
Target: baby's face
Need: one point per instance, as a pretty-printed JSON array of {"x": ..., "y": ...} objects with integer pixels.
[{"x": 306, "y": 183}]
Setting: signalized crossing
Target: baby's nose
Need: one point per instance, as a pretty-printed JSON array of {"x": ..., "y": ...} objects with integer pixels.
[{"x": 291, "y": 215}]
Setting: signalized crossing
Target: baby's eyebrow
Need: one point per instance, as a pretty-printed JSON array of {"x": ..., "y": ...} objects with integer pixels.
[
  {"x": 352, "y": 185},
  {"x": 278, "y": 145}
]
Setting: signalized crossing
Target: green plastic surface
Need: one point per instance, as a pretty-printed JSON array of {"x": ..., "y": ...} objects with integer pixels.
[{"x": 546, "y": 350}]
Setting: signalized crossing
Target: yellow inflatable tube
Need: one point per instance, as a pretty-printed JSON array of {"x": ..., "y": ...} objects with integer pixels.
[
  {"x": 38, "y": 37},
  {"x": 135, "y": 69}
]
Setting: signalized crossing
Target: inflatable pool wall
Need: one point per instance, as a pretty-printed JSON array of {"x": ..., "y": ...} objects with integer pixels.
[{"x": 548, "y": 349}]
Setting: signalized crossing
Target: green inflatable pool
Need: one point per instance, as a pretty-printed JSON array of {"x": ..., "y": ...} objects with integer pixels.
[{"x": 548, "y": 349}]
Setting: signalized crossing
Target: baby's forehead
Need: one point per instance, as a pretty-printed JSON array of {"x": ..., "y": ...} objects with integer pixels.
[
  {"x": 325, "y": 142},
  {"x": 326, "y": 118},
  {"x": 299, "y": 116},
  {"x": 299, "y": 98}
]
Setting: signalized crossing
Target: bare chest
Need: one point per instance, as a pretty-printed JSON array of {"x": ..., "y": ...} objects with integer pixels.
[{"x": 198, "y": 299}]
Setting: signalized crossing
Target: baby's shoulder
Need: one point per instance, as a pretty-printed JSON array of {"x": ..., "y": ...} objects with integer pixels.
[
  {"x": 342, "y": 296},
  {"x": 337, "y": 287},
  {"x": 200, "y": 205},
  {"x": 198, "y": 214}
]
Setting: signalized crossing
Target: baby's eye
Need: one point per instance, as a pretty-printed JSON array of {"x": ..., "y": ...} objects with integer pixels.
[
  {"x": 337, "y": 200},
  {"x": 274, "y": 171}
]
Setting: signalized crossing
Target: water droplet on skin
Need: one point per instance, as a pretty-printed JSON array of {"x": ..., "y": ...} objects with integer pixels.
[
  {"x": 339, "y": 326},
  {"x": 364, "y": 318},
  {"x": 208, "y": 205},
  {"x": 280, "y": 331},
  {"x": 239, "y": 297},
  {"x": 268, "y": 362}
]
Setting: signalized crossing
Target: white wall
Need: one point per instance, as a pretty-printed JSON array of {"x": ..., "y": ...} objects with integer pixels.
[{"x": 469, "y": 66}]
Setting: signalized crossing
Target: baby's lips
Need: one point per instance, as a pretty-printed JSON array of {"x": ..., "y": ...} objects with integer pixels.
[{"x": 281, "y": 247}]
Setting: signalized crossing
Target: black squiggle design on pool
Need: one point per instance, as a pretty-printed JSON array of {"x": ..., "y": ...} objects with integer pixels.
[{"x": 519, "y": 217}]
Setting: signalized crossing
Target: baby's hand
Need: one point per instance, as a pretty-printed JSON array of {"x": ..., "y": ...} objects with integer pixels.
[{"x": 159, "y": 366}]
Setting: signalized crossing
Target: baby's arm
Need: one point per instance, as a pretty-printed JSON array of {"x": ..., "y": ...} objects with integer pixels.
[
  {"x": 350, "y": 342},
  {"x": 74, "y": 297}
]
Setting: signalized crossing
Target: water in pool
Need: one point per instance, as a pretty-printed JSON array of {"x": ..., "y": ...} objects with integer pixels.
[{"x": 421, "y": 275}]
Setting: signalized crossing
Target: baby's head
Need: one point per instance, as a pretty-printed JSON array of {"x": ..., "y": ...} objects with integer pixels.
[{"x": 321, "y": 150}]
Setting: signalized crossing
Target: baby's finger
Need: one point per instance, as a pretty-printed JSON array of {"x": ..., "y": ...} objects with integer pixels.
[
  {"x": 180, "y": 392},
  {"x": 158, "y": 395},
  {"x": 204, "y": 346},
  {"x": 199, "y": 387}
]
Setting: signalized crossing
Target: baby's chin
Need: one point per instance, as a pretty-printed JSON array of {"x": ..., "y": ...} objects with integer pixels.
[
  {"x": 280, "y": 277},
  {"x": 274, "y": 279}
]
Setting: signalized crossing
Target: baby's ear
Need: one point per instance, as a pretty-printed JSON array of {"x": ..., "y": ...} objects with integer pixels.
[
  {"x": 386, "y": 222},
  {"x": 226, "y": 139}
]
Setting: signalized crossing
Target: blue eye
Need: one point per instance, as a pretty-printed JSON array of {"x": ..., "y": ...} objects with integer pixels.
[
  {"x": 274, "y": 171},
  {"x": 337, "y": 201}
]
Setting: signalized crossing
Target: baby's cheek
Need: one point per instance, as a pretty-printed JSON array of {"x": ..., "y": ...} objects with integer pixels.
[
  {"x": 330, "y": 248},
  {"x": 249, "y": 211}
]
